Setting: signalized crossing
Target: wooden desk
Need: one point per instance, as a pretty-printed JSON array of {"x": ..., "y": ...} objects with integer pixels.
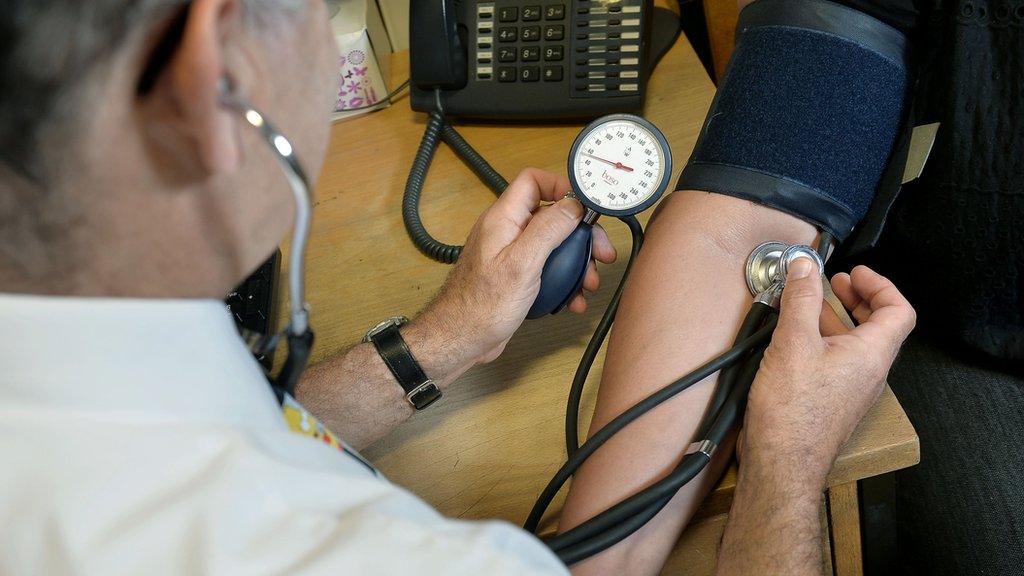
[{"x": 489, "y": 447}]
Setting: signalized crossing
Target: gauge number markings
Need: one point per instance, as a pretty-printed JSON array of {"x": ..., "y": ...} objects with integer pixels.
[{"x": 610, "y": 172}]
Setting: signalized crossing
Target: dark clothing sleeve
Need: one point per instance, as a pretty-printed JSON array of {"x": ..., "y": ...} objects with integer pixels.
[
  {"x": 954, "y": 245},
  {"x": 953, "y": 241},
  {"x": 900, "y": 14}
]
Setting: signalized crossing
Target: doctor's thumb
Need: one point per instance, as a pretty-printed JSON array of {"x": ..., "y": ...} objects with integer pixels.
[
  {"x": 548, "y": 228},
  {"x": 800, "y": 309}
]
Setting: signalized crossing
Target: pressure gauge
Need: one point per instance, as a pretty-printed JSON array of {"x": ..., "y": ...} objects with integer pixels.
[{"x": 620, "y": 165}]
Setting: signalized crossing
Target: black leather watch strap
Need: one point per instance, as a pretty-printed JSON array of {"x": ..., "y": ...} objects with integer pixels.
[{"x": 419, "y": 389}]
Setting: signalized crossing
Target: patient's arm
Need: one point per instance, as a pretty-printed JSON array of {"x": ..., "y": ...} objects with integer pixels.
[{"x": 683, "y": 305}]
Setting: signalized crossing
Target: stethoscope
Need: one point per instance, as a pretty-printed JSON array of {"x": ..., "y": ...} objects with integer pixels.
[
  {"x": 619, "y": 166},
  {"x": 298, "y": 332}
]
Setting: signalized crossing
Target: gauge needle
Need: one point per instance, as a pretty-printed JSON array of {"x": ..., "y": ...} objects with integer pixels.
[{"x": 618, "y": 165}]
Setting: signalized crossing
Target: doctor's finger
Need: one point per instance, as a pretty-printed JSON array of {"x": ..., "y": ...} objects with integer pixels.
[
  {"x": 800, "y": 309},
  {"x": 842, "y": 285},
  {"x": 891, "y": 317},
  {"x": 578, "y": 304},
  {"x": 591, "y": 281},
  {"x": 522, "y": 197},
  {"x": 604, "y": 251}
]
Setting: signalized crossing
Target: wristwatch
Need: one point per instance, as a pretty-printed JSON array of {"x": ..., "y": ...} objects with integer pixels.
[{"x": 420, "y": 391}]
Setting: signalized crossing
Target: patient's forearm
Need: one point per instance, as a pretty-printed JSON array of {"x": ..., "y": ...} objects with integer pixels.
[{"x": 683, "y": 305}]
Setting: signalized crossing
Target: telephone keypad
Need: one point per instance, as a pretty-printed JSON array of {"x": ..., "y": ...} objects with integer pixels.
[
  {"x": 552, "y": 73},
  {"x": 602, "y": 39},
  {"x": 554, "y": 32},
  {"x": 508, "y": 14},
  {"x": 554, "y": 12},
  {"x": 529, "y": 73}
]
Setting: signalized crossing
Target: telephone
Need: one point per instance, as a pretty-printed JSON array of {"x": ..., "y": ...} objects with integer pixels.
[
  {"x": 530, "y": 59},
  {"x": 522, "y": 60}
]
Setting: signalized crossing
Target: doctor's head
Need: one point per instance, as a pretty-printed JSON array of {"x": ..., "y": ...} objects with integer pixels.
[{"x": 121, "y": 172}]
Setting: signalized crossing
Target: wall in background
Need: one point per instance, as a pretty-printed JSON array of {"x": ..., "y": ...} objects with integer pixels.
[{"x": 396, "y": 18}]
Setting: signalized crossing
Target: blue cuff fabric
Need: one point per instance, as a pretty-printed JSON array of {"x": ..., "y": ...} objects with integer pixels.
[{"x": 808, "y": 113}]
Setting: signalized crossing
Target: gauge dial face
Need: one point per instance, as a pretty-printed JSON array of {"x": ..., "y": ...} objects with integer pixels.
[{"x": 620, "y": 164}]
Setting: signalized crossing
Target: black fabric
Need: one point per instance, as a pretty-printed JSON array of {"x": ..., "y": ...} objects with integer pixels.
[
  {"x": 903, "y": 15},
  {"x": 819, "y": 139},
  {"x": 961, "y": 510},
  {"x": 954, "y": 244},
  {"x": 828, "y": 17}
]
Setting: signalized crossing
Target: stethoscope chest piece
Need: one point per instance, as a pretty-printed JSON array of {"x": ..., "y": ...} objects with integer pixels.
[
  {"x": 763, "y": 265},
  {"x": 768, "y": 265}
]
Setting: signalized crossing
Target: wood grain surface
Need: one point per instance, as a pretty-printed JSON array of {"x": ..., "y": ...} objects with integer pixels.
[{"x": 487, "y": 449}]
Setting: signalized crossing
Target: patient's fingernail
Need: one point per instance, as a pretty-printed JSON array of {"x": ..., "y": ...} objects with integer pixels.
[{"x": 800, "y": 267}]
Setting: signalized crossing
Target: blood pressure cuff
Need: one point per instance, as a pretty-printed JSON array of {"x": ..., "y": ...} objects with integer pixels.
[{"x": 808, "y": 113}]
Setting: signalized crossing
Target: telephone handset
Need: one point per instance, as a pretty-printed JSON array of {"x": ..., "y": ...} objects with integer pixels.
[{"x": 529, "y": 59}]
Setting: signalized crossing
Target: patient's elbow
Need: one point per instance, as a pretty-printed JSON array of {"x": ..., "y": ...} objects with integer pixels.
[{"x": 728, "y": 226}]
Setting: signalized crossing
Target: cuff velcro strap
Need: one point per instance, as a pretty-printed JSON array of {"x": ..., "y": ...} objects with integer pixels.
[{"x": 807, "y": 115}]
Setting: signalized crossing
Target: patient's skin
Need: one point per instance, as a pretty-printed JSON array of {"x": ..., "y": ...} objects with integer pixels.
[{"x": 683, "y": 305}]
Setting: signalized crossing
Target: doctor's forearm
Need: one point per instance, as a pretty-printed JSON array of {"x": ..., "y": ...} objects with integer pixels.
[
  {"x": 683, "y": 305},
  {"x": 357, "y": 397}
]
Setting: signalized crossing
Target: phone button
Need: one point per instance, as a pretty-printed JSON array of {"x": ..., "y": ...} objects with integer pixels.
[
  {"x": 554, "y": 53},
  {"x": 529, "y": 53},
  {"x": 531, "y": 33},
  {"x": 552, "y": 73},
  {"x": 507, "y": 34},
  {"x": 554, "y": 32},
  {"x": 506, "y": 54},
  {"x": 531, "y": 13},
  {"x": 554, "y": 12},
  {"x": 506, "y": 73},
  {"x": 508, "y": 14},
  {"x": 529, "y": 73}
]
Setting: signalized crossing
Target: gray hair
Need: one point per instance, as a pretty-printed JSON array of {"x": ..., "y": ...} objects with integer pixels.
[
  {"x": 49, "y": 48},
  {"x": 52, "y": 54}
]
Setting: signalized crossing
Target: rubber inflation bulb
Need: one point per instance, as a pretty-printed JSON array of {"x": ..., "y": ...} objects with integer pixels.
[{"x": 563, "y": 273}]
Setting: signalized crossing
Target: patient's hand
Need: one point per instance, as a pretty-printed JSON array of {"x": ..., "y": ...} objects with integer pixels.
[{"x": 819, "y": 378}]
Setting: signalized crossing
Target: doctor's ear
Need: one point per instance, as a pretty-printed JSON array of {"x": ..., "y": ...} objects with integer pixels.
[{"x": 187, "y": 79}]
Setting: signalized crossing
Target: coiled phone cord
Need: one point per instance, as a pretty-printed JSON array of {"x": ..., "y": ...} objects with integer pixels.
[{"x": 439, "y": 129}]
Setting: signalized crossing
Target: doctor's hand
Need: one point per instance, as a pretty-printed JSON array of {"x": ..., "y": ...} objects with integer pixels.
[
  {"x": 497, "y": 277},
  {"x": 818, "y": 378}
]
